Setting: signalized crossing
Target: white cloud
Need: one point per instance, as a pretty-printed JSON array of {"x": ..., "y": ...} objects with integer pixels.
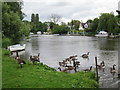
[{"x": 69, "y": 9}]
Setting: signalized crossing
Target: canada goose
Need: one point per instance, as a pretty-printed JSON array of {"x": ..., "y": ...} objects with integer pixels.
[
  {"x": 65, "y": 70},
  {"x": 85, "y": 55},
  {"x": 34, "y": 59},
  {"x": 73, "y": 57},
  {"x": 37, "y": 57},
  {"x": 67, "y": 59},
  {"x": 77, "y": 63},
  {"x": 86, "y": 70},
  {"x": 70, "y": 67},
  {"x": 112, "y": 69},
  {"x": 20, "y": 61},
  {"x": 62, "y": 63},
  {"x": 101, "y": 66}
]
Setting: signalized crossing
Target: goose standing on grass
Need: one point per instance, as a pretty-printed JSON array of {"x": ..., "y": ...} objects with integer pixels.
[
  {"x": 33, "y": 59},
  {"x": 85, "y": 55},
  {"x": 37, "y": 57},
  {"x": 70, "y": 68},
  {"x": 65, "y": 70},
  {"x": 20, "y": 61}
]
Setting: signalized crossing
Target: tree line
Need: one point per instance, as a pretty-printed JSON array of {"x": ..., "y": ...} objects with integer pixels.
[
  {"x": 14, "y": 28},
  {"x": 107, "y": 22}
]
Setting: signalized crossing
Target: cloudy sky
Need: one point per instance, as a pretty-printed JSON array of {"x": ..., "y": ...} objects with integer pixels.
[{"x": 69, "y": 9}]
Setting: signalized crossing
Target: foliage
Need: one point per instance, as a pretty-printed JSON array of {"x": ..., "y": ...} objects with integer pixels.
[
  {"x": 5, "y": 42},
  {"x": 37, "y": 25},
  {"x": 33, "y": 18},
  {"x": 60, "y": 30},
  {"x": 74, "y": 24},
  {"x": 42, "y": 76},
  {"x": 12, "y": 25},
  {"x": 93, "y": 26},
  {"x": 107, "y": 22}
]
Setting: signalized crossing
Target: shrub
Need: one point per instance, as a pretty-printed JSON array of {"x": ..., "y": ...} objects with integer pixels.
[{"x": 6, "y": 42}]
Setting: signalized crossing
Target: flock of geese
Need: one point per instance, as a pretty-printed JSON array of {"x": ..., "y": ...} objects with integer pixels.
[
  {"x": 33, "y": 59},
  {"x": 70, "y": 63}
]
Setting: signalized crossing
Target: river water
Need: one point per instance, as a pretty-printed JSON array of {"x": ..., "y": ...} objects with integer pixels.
[{"x": 53, "y": 49}]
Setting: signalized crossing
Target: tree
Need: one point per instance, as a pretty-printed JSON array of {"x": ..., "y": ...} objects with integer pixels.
[
  {"x": 37, "y": 18},
  {"x": 33, "y": 18},
  {"x": 16, "y": 7},
  {"x": 107, "y": 22},
  {"x": 55, "y": 18},
  {"x": 12, "y": 24},
  {"x": 74, "y": 24},
  {"x": 94, "y": 25},
  {"x": 62, "y": 29}
]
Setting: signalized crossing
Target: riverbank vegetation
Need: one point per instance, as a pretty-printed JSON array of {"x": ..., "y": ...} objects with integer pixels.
[{"x": 41, "y": 76}]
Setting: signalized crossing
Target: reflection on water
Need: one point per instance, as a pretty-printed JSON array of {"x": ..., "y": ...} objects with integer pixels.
[{"x": 53, "y": 49}]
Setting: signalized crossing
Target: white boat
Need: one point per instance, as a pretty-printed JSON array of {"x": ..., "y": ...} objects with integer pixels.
[
  {"x": 17, "y": 47},
  {"x": 39, "y": 32},
  {"x": 102, "y": 34}
]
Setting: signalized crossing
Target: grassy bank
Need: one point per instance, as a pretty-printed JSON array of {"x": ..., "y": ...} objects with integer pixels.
[{"x": 41, "y": 76}]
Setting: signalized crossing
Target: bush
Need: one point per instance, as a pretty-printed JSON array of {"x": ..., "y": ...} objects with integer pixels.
[
  {"x": 5, "y": 42},
  {"x": 60, "y": 30}
]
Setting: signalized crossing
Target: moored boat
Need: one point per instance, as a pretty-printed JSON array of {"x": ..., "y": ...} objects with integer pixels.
[
  {"x": 17, "y": 47},
  {"x": 102, "y": 34}
]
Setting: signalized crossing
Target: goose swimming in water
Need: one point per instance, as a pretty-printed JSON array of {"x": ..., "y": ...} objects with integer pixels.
[
  {"x": 112, "y": 69},
  {"x": 85, "y": 55},
  {"x": 86, "y": 70}
]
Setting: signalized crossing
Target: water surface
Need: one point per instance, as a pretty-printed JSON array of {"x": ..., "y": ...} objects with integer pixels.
[{"x": 53, "y": 49}]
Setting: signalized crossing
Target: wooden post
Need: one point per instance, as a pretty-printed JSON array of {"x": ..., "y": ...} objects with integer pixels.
[
  {"x": 96, "y": 68},
  {"x": 118, "y": 58}
]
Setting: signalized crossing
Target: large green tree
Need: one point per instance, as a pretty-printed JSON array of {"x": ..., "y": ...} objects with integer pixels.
[
  {"x": 108, "y": 22},
  {"x": 13, "y": 27}
]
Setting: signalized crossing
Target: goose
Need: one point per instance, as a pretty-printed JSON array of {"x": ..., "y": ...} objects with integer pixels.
[
  {"x": 65, "y": 70},
  {"x": 112, "y": 69},
  {"x": 37, "y": 57},
  {"x": 73, "y": 57},
  {"x": 20, "y": 61},
  {"x": 62, "y": 63},
  {"x": 77, "y": 63},
  {"x": 34, "y": 59},
  {"x": 101, "y": 66},
  {"x": 86, "y": 70},
  {"x": 85, "y": 55},
  {"x": 70, "y": 67}
]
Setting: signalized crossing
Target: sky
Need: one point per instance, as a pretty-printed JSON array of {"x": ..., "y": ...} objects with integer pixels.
[{"x": 69, "y": 9}]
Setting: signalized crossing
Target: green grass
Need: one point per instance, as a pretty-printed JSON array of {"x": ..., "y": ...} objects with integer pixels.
[
  {"x": 42, "y": 76},
  {"x": 0, "y": 68}
]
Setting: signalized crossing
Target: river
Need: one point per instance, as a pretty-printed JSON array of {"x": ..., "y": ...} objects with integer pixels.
[{"x": 53, "y": 49}]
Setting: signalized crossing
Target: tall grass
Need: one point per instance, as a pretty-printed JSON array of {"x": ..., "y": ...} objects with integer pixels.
[{"x": 42, "y": 76}]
